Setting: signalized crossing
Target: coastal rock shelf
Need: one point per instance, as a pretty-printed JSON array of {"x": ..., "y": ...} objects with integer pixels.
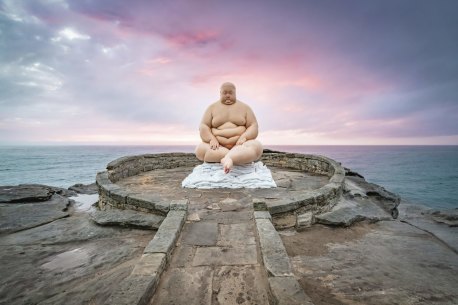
[{"x": 148, "y": 183}]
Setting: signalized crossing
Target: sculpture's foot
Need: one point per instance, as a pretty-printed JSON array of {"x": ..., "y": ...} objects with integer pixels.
[{"x": 227, "y": 164}]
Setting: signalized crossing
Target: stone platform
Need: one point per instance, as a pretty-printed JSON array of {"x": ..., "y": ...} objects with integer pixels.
[
  {"x": 148, "y": 183},
  {"x": 212, "y": 244},
  {"x": 164, "y": 185}
]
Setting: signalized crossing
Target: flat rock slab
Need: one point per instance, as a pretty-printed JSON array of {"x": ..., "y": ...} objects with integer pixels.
[
  {"x": 200, "y": 234},
  {"x": 219, "y": 256},
  {"x": 389, "y": 262},
  {"x": 68, "y": 261},
  {"x": 427, "y": 220},
  {"x": 286, "y": 290},
  {"x": 127, "y": 218},
  {"x": 184, "y": 286},
  {"x": 346, "y": 212},
  {"x": 88, "y": 189},
  {"x": 24, "y": 193},
  {"x": 233, "y": 285},
  {"x": 237, "y": 235},
  {"x": 228, "y": 217},
  {"x": 16, "y": 217}
]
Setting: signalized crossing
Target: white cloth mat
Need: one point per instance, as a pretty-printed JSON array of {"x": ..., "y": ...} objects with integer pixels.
[{"x": 211, "y": 175}]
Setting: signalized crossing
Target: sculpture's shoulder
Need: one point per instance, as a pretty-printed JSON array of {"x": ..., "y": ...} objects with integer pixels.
[
  {"x": 244, "y": 105},
  {"x": 214, "y": 106}
]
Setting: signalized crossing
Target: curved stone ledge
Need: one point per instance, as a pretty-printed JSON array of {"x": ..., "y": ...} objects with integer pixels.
[{"x": 318, "y": 201}]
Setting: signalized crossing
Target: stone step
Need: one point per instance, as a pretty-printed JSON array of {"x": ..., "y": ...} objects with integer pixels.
[{"x": 215, "y": 262}]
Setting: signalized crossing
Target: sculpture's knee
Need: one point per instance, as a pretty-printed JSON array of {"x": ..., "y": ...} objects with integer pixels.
[
  {"x": 257, "y": 148},
  {"x": 200, "y": 152}
]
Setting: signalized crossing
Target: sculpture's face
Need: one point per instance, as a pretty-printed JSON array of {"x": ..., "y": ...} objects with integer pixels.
[{"x": 227, "y": 94}]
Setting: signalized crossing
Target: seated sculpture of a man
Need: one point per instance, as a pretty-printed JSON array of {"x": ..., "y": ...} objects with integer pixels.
[{"x": 228, "y": 131}]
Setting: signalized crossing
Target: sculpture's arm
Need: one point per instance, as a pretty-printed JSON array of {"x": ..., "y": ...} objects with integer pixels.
[
  {"x": 205, "y": 129},
  {"x": 251, "y": 131}
]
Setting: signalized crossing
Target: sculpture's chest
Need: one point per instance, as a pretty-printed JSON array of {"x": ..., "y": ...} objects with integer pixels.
[{"x": 223, "y": 115}]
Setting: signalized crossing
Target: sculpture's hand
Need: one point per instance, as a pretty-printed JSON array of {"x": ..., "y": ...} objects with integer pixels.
[
  {"x": 241, "y": 140},
  {"x": 214, "y": 144}
]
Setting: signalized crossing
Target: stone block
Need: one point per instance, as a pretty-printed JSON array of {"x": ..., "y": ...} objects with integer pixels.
[
  {"x": 304, "y": 220},
  {"x": 179, "y": 205},
  {"x": 102, "y": 178},
  {"x": 282, "y": 206},
  {"x": 200, "y": 234},
  {"x": 185, "y": 286},
  {"x": 221, "y": 256},
  {"x": 162, "y": 206},
  {"x": 230, "y": 217},
  {"x": 119, "y": 195},
  {"x": 149, "y": 264},
  {"x": 287, "y": 291},
  {"x": 274, "y": 255},
  {"x": 140, "y": 200},
  {"x": 262, "y": 215},
  {"x": 240, "y": 285},
  {"x": 135, "y": 289},
  {"x": 178, "y": 214},
  {"x": 236, "y": 235},
  {"x": 259, "y": 204},
  {"x": 166, "y": 236}
]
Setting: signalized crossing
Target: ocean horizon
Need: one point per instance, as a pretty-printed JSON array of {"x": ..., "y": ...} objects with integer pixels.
[{"x": 421, "y": 174}]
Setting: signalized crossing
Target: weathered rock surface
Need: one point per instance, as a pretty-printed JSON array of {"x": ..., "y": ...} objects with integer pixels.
[
  {"x": 388, "y": 262},
  {"x": 16, "y": 217},
  {"x": 68, "y": 261},
  {"x": 361, "y": 201},
  {"x": 449, "y": 217},
  {"x": 87, "y": 189},
  {"x": 432, "y": 222},
  {"x": 127, "y": 218},
  {"x": 385, "y": 199},
  {"x": 25, "y": 193},
  {"x": 347, "y": 212}
]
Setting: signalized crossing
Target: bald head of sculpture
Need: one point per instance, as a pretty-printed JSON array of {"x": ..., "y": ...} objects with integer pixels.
[{"x": 227, "y": 93}]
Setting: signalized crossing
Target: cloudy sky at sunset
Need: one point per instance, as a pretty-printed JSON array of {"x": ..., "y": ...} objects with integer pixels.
[{"x": 143, "y": 72}]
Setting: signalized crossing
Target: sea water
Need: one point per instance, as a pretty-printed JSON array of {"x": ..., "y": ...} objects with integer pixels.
[{"x": 419, "y": 174}]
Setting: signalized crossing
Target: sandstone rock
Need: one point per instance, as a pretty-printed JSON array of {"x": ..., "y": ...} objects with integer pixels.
[
  {"x": 349, "y": 172},
  {"x": 25, "y": 193},
  {"x": 87, "y": 189},
  {"x": 127, "y": 218},
  {"x": 274, "y": 255},
  {"x": 353, "y": 190},
  {"x": 449, "y": 217},
  {"x": 67, "y": 261},
  {"x": 287, "y": 291},
  {"x": 347, "y": 212},
  {"x": 385, "y": 199},
  {"x": 16, "y": 217},
  {"x": 433, "y": 222},
  {"x": 304, "y": 220}
]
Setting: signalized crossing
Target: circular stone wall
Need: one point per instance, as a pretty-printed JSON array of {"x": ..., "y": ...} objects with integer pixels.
[{"x": 149, "y": 182}]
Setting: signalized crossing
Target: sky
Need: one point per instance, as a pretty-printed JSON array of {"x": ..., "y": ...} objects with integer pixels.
[{"x": 314, "y": 72}]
